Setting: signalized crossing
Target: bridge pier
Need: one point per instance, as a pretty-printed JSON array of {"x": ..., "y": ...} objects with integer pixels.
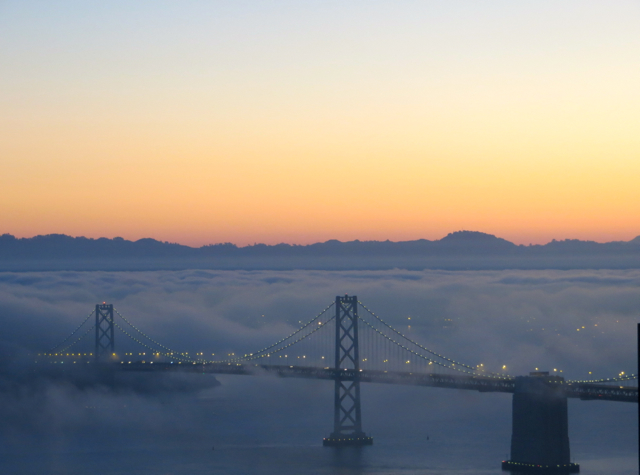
[
  {"x": 347, "y": 418},
  {"x": 540, "y": 434}
]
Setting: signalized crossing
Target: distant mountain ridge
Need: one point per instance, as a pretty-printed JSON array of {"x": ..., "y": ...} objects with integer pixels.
[{"x": 457, "y": 250}]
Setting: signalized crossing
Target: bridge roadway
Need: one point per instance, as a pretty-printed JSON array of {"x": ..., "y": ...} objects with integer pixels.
[{"x": 585, "y": 391}]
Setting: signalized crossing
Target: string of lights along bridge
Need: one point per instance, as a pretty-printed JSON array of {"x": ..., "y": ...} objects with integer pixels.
[{"x": 350, "y": 344}]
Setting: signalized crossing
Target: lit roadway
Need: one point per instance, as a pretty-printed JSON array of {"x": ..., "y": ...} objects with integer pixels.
[{"x": 602, "y": 392}]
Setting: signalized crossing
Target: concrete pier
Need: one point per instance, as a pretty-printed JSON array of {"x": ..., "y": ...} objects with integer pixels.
[{"x": 540, "y": 434}]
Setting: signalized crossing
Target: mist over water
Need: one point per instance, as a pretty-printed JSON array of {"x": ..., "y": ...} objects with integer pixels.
[{"x": 574, "y": 321}]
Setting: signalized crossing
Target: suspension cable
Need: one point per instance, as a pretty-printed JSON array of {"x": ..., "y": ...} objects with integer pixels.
[
  {"x": 313, "y": 320},
  {"x": 145, "y": 335},
  {"x": 72, "y": 333},
  {"x": 420, "y": 346},
  {"x": 430, "y": 360},
  {"x": 169, "y": 355},
  {"x": 77, "y": 340},
  {"x": 256, "y": 355}
]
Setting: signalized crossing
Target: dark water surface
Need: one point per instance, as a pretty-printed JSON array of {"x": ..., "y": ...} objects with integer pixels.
[
  {"x": 433, "y": 459},
  {"x": 272, "y": 426}
]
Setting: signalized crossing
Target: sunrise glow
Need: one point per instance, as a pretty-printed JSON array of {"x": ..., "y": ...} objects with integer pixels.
[{"x": 214, "y": 122}]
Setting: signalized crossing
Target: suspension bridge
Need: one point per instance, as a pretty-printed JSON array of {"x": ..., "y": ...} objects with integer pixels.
[{"x": 349, "y": 344}]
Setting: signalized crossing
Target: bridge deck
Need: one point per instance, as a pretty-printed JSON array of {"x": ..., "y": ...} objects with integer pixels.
[{"x": 602, "y": 392}]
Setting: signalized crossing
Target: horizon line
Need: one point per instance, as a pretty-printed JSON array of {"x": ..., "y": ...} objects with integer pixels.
[{"x": 316, "y": 242}]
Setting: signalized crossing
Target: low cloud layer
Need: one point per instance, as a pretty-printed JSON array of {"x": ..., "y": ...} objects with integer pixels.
[{"x": 577, "y": 321}]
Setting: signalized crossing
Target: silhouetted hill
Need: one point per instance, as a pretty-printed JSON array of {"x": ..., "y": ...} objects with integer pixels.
[
  {"x": 473, "y": 241},
  {"x": 457, "y": 250},
  {"x": 57, "y": 246},
  {"x": 473, "y": 237}
]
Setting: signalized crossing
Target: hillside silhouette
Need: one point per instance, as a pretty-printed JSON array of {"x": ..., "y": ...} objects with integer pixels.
[{"x": 457, "y": 250}]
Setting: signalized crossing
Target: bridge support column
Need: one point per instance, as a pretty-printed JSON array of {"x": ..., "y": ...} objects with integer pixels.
[
  {"x": 347, "y": 418},
  {"x": 540, "y": 434},
  {"x": 105, "y": 342}
]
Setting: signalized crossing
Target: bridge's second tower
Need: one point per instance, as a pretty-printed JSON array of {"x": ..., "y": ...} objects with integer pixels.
[
  {"x": 105, "y": 345},
  {"x": 347, "y": 418},
  {"x": 540, "y": 436}
]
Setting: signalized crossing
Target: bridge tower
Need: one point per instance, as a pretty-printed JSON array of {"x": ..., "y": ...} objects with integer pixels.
[
  {"x": 105, "y": 344},
  {"x": 347, "y": 418},
  {"x": 540, "y": 433}
]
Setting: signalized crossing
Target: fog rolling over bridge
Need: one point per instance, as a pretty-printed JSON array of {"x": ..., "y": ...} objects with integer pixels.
[
  {"x": 367, "y": 350},
  {"x": 575, "y": 324}
]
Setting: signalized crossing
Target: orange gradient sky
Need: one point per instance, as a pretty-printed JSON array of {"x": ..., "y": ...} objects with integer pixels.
[{"x": 248, "y": 121}]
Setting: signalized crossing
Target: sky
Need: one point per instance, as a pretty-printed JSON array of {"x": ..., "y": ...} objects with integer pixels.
[{"x": 253, "y": 121}]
